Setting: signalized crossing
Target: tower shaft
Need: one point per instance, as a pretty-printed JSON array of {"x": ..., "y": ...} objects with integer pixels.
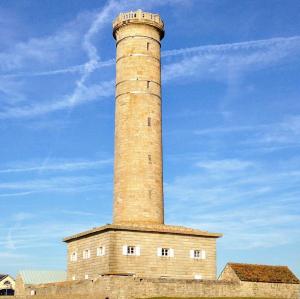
[{"x": 138, "y": 173}]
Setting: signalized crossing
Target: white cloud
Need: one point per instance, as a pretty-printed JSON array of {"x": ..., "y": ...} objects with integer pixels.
[
  {"x": 212, "y": 61},
  {"x": 16, "y": 194},
  {"x": 255, "y": 205},
  {"x": 41, "y": 49},
  {"x": 38, "y": 50},
  {"x": 81, "y": 95},
  {"x": 21, "y": 216},
  {"x": 287, "y": 131},
  {"x": 222, "y": 61},
  {"x": 11, "y": 255},
  {"x": 265, "y": 137},
  {"x": 208, "y": 61},
  {"x": 58, "y": 184},
  {"x": 224, "y": 165},
  {"x": 77, "y": 213},
  {"x": 47, "y": 166},
  {"x": 227, "y": 130}
]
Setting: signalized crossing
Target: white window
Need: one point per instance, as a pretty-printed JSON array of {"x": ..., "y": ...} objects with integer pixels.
[
  {"x": 131, "y": 250},
  {"x": 198, "y": 254},
  {"x": 86, "y": 254},
  {"x": 86, "y": 276},
  {"x": 32, "y": 292},
  {"x": 165, "y": 252},
  {"x": 101, "y": 251},
  {"x": 197, "y": 276},
  {"x": 73, "y": 256},
  {"x": 73, "y": 277}
]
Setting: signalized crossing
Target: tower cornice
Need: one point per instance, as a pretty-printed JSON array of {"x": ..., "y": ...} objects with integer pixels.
[{"x": 139, "y": 17}]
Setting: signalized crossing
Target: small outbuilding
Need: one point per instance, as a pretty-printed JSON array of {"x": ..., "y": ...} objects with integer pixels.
[
  {"x": 7, "y": 285},
  {"x": 258, "y": 273},
  {"x": 262, "y": 280},
  {"x": 26, "y": 280}
]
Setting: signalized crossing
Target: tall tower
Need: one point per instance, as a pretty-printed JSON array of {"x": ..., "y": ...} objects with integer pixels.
[
  {"x": 138, "y": 174},
  {"x": 138, "y": 242}
]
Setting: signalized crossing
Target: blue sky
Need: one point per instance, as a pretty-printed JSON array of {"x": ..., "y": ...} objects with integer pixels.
[{"x": 231, "y": 125}]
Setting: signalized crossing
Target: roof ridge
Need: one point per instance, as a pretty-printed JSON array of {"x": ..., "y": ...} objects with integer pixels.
[{"x": 262, "y": 265}]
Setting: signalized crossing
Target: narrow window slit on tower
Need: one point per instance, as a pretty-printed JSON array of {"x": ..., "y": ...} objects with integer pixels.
[
  {"x": 148, "y": 45},
  {"x": 148, "y": 84},
  {"x": 149, "y": 159},
  {"x": 149, "y": 121}
]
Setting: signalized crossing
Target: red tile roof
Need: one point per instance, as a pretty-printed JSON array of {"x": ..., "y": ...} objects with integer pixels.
[{"x": 264, "y": 273}]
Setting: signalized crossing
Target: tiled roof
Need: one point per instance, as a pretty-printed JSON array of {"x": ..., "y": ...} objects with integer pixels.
[
  {"x": 264, "y": 273},
  {"x": 40, "y": 276},
  {"x": 155, "y": 228}
]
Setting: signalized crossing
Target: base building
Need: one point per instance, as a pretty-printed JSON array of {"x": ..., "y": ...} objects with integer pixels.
[
  {"x": 138, "y": 243},
  {"x": 146, "y": 251}
]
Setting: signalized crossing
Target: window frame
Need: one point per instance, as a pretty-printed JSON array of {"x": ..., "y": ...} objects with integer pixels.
[
  {"x": 74, "y": 256},
  {"x": 86, "y": 254},
  {"x": 131, "y": 250},
  {"x": 165, "y": 252},
  {"x": 100, "y": 251},
  {"x": 198, "y": 254}
]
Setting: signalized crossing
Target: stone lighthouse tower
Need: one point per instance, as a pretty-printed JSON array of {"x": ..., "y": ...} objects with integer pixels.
[
  {"x": 138, "y": 182},
  {"x": 138, "y": 242}
]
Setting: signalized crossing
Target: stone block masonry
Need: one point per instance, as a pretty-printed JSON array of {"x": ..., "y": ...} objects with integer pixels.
[
  {"x": 138, "y": 174},
  {"x": 118, "y": 287},
  {"x": 146, "y": 259},
  {"x": 138, "y": 242}
]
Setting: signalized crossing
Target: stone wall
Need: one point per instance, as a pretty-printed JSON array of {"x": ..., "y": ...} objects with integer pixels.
[
  {"x": 93, "y": 266},
  {"x": 147, "y": 263},
  {"x": 228, "y": 274},
  {"x": 118, "y": 287},
  {"x": 150, "y": 265},
  {"x": 19, "y": 287}
]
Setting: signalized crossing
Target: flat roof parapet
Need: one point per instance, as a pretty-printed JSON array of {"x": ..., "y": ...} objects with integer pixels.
[{"x": 151, "y": 228}]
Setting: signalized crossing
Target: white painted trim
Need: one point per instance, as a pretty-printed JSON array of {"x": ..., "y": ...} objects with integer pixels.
[
  {"x": 137, "y": 250},
  {"x": 159, "y": 251},
  {"x": 124, "y": 250},
  {"x": 171, "y": 252},
  {"x": 197, "y": 276}
]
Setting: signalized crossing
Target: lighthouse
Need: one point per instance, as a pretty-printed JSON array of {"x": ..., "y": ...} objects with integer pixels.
[{"x": 138, "y": 171}]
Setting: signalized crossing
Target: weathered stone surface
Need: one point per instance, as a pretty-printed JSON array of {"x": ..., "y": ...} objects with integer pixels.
[
  {"x": 147, "y": 263},
  {"x": 118, "y": 287},
  {"x": 138, "y": 174},
  {"x": 138, "y": 183}
]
